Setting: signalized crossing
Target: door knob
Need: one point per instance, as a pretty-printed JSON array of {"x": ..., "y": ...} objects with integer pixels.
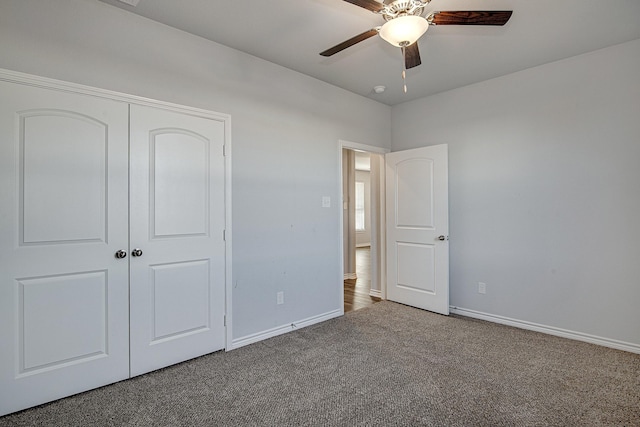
[
  {"x": 136, "y": 252},
  {"x": 442, "y": 238},
  {"x": 121, "y": 254}
]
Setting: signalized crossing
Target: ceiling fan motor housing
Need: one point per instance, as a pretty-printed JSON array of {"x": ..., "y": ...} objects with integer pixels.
[{"x": 403, "y": 8}]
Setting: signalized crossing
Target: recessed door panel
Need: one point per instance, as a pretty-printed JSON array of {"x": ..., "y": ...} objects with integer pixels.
[
  {"x": 414, "y": 193},
  {"x": 180, "y": 299},
  {"x": 54, "y": 329},
  {"x": 179, "y": 183},
  {"x": 415, "y": 267},
  {"x": 62, "y": 173}
]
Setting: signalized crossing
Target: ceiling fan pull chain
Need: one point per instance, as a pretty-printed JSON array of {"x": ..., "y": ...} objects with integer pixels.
[{"x": 404, "y": 68}]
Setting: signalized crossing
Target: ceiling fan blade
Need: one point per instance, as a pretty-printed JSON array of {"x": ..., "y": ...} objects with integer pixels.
[
  {"x": 371, "y": 5},
  {"x": 476, "y": 17},
  {"x": 348, "y": 43},
  {"x": 412, "y": 56}
]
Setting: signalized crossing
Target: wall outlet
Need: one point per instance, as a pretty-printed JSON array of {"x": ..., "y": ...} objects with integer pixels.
[
  {"x": 280, "y": 297},
  {"x": 482, "y": 288}
]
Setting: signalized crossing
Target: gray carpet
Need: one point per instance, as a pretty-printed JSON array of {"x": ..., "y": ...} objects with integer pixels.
[{"x": 387, "y": 365}]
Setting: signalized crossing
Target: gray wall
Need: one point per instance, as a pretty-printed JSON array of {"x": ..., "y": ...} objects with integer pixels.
[
  {"x": 544, "y": 170},
  {"x": 285, "y": 126}
]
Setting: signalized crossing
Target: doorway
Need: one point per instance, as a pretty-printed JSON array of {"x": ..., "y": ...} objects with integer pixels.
[{"x": 362, "y": 215}]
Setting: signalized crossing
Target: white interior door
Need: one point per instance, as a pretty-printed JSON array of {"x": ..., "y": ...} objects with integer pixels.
[
  {"x": 63, "y": 215},
  {"x": 177, "y": 223},
  {"x": 418, "y": 228}
]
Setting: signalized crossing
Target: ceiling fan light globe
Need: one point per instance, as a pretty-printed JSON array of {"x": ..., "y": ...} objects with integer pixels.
[{"x": 404, "y": 30}]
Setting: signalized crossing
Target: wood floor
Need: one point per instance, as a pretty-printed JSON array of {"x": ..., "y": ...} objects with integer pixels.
[{"x": 356, "y": 292}]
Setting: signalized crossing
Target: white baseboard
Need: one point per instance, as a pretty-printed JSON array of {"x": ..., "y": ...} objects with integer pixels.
[
  {"x": 349, "y": 276},
  {"x": 269, "y": 333},
  {"x": 375, "y": 293},
  {"x": 565, "y": 333}
]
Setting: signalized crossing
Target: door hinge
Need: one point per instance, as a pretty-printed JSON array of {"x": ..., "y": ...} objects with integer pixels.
[
  {"x": 224, "y": 235},
  {"x": 224, "y": 150},
  {"x": 225, "y": 320}
]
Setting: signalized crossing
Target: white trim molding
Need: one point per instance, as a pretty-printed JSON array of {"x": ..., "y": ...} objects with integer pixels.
[
  {"x": 48, "y": 83},
  {"x": 375, "y": 293},
  {"x": 551, "y": 330},
  {"x": 363, "y": 147},
  {"x": 270, "y": 333}
]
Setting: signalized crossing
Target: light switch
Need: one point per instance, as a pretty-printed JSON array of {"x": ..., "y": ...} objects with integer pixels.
[{"x": 326, "y": 201}]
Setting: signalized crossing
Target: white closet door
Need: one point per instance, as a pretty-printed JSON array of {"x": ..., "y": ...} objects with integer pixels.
[
  {"x": 177, "y": 222},
  {"x": 63, "y": 215}
]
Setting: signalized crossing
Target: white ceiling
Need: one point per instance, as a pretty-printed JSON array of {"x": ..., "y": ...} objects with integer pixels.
[{"x": 291, "y": 33}]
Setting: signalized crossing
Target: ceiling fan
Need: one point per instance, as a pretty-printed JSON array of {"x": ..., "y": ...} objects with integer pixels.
[{"x": 405, "y": 24}]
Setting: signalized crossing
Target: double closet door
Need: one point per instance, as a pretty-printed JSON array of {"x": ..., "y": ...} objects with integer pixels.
[{"x": 112, "y": 255}]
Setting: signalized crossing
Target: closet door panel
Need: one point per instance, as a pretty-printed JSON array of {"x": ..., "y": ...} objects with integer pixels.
[
  {"x": 53, "y": 143},
  {"x": 179, "y": 201},
  {"x": 177, "y": 222},
  {"x": 63, "y": 215}
]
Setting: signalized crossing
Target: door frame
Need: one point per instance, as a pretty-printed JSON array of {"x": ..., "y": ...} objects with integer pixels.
[
  {"x": 381, "y": 243},
  {"x": 59, "y": 85}
]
